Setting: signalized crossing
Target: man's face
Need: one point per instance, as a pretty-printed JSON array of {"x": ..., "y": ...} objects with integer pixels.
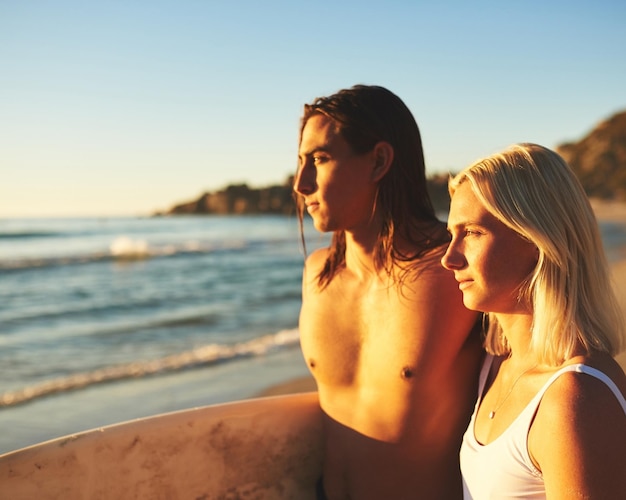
[{"x": 335, "y": 183}]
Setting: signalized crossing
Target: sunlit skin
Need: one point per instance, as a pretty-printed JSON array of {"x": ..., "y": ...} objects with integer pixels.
[
  {"x": 395, "y": 374},
  {"x": 335, "y": 197},
  {"x": 578, "y": 449},
  {"x": 489, "y": 259}
]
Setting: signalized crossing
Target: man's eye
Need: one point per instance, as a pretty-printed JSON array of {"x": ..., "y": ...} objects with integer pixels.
[{"x": 319, "y": 159}]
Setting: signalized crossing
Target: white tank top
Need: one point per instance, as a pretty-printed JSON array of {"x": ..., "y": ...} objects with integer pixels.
[{"x": 503, "y": 468}]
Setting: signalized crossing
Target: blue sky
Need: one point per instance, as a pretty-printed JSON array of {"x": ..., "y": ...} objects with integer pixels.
[{"x": 126, "y": 107}]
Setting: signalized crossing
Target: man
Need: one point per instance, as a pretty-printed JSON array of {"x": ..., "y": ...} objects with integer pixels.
[{"x": 383, "y": 327}]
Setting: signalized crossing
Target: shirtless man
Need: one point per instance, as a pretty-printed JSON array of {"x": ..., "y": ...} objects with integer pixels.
[{"x": 383, "y": 327}]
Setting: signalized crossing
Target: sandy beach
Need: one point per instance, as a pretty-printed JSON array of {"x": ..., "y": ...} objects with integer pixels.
[
  {"x": 303, "y": 384},
  {"x": 613, "y": 211},
  {"x": 619, "y": 281},
  {"x": 609, "y": 211}
]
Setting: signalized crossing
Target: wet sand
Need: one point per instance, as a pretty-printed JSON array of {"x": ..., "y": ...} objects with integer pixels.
[{"x": 304, "y": 384}]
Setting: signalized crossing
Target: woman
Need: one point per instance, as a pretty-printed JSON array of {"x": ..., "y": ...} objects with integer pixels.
[{"x": 550, "y": 420}]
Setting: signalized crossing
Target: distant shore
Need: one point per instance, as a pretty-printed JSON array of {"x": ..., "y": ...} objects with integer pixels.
[{"x": 609, "y": 210}]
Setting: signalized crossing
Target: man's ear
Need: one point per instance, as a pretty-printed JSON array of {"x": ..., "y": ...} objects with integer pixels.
[{"x": 383, "y": 158}]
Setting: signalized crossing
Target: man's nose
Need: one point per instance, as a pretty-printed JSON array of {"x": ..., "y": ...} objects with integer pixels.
[{"x": 305, "y": 180}]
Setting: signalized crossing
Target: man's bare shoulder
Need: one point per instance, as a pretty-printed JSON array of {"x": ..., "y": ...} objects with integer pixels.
[
  {"x": 428, "y": 270},
  {"x": 314, "y": 264},
  {"x": 316, "y": 260},
  {"x": 432, "y": 287},
  {"x": 318, "y": 257}
]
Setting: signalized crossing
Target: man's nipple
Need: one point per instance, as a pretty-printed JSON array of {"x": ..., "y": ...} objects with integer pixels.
[{"x": 406, "y": 373}]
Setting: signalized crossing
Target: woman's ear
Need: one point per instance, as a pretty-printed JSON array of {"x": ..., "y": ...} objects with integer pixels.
[{"x": 383, "y": 158}]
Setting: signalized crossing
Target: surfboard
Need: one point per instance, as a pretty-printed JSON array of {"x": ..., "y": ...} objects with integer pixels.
[{"x": 265, "y": 448}]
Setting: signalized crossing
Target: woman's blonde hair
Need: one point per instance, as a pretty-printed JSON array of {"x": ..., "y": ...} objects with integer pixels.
[{"x": 532, "y": 190}]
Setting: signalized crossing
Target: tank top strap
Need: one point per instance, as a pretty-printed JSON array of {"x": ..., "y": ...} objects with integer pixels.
[
  {"x": 594, "y": 372},
  {"x": 588, "y": 370}
]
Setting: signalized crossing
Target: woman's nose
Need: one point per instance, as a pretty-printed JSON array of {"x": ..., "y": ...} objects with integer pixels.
[{"x": 453, "y": 258}]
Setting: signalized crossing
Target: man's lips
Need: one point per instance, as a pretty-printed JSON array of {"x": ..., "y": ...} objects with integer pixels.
[{"x": 311, "y": 206}]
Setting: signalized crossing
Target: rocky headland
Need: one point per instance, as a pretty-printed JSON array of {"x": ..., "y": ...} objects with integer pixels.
[
  {"x": 240, "y": 199},
  {"x": 599, "y": 159}
]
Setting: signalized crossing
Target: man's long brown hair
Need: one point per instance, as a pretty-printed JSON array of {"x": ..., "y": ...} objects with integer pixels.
[{"x": 366, "y": 116}]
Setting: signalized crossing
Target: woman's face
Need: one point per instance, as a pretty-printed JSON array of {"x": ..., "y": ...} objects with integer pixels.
[{"x": 489, "y": 260}]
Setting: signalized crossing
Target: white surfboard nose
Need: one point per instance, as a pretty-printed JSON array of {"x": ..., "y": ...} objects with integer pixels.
[{"x": 269, "y": 447}]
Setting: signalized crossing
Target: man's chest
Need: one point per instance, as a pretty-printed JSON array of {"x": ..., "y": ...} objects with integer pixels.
[{"x": 345, "y": 335}]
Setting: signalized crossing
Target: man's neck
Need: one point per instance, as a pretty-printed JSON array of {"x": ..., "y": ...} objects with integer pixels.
[{"x": 360, "y": 254}]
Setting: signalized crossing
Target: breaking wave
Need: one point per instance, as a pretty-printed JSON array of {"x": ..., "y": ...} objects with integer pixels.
[
  {"x": 199, "y": 357},
  {"x": 123, "y": 248}
]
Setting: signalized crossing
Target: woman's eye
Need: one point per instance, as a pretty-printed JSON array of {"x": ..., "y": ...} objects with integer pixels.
[{"x": 472, "y": 232}]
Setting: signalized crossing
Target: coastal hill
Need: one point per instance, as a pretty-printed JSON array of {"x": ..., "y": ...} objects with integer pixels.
[
  {"x": 240, "y": 199},
  {"x": 599, "y": 160}
]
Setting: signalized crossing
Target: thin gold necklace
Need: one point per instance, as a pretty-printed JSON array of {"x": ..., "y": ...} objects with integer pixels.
[{"x": 492, "y": 413}]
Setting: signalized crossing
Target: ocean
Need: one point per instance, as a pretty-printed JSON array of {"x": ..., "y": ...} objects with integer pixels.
[
  {"x": 104, "y": 320},
  {"x": 109, "y": 319}
]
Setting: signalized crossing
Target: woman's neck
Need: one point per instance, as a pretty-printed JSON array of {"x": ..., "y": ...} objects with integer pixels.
[{"x": 516, "y": 328}]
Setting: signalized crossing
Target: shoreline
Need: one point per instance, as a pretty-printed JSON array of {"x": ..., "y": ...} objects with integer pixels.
[
  {"x": 293, "y": 386},
  {"x": 69, "y": 413}
]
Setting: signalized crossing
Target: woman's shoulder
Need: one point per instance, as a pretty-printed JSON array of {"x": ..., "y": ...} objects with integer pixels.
[
  {"x": 607, "y": 364},
  {"x": 579, "y": 431},
  {"x": 585, "y": 385}
]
